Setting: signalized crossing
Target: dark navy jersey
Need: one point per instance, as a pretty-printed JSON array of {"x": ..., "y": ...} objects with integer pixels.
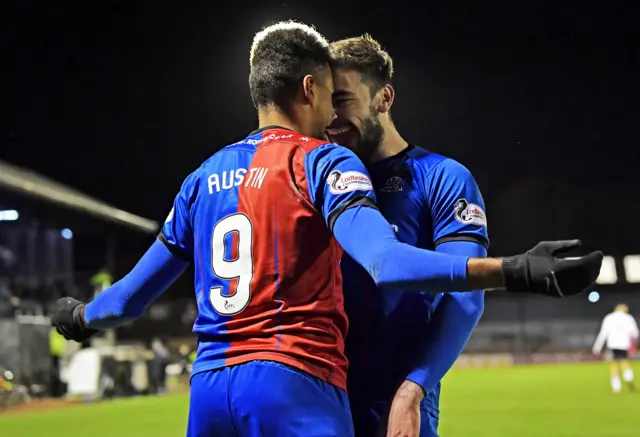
[
  {"x": 429, "y": 200},
  {"x": 256, "y": 221}
]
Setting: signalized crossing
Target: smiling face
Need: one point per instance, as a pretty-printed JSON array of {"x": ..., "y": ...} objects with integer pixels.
[{"x": 357, "y": 124}]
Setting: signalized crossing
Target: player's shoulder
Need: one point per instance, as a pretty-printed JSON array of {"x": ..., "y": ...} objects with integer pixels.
[
  {"x": 243, "y": 146},
  {"x": 437, "y": 164},
  {"x": 231, "y": 154},
  {"x": 327, "y": 152}
]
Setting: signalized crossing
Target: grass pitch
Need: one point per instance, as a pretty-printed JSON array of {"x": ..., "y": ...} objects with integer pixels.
[{"x": 527, "y": 401}]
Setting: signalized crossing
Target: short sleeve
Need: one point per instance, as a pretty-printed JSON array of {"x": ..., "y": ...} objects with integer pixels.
[
  {"x": 337, "y": 180},
  {"x": 457, "y": 207},
  {"x": 177, "y": 232}
]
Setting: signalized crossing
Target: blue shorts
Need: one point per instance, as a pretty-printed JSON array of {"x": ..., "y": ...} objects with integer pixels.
[
  {"x": 266, "y": 399},
  {"x": 370, "y": 419}
]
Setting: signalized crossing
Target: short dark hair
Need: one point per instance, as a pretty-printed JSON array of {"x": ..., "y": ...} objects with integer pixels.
[
  {"x": 281, "y": 56},
  {"x": 365, "y": 55}
]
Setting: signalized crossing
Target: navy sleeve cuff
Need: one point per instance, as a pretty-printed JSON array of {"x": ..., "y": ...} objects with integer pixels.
[
  {"x": 420, "y": 377},
  {"x": 175, "y": 251}
]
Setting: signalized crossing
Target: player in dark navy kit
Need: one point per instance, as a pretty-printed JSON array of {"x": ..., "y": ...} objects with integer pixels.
[
  {"x": 265, "y": 221},
  {"x": 400, "y": 345}
]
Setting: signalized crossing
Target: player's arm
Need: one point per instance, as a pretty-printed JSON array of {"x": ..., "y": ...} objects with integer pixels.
[
  {"x": 340, "y": 188},
  {"x": 127, "y": 299},
  {"x": 459, "y": 228},
  {"x": 602, "y": 336}
]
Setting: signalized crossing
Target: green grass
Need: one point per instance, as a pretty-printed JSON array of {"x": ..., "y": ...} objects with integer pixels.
[
  {"x": 528, "y": 401},
  {"x": 565, "y": 400}
]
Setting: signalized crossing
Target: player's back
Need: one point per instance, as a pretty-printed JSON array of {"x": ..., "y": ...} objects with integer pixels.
[
  {"x": 267, "y": 276},
  {"x": 620, "y": 330}
]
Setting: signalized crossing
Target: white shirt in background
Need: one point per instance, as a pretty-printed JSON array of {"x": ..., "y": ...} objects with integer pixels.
[
  {"x": 618, "y": 331},
  {"x": 159, "y": 349}
]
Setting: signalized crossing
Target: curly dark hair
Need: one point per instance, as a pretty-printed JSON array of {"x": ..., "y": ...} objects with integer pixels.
[{"x": 281, "y": 56}]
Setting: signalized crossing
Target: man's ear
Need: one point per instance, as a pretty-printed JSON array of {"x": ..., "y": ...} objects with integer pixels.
[
  {"x": 309, "y": 87},
  {"x": 385, "y": 98}
]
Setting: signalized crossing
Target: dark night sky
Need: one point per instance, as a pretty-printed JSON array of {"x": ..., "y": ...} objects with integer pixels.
[{"x": 123, "y": 99}]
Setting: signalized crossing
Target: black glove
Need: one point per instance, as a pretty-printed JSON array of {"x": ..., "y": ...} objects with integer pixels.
[
  {"x": 540, "y": 271},
  {"x": 68, "y": 321}
]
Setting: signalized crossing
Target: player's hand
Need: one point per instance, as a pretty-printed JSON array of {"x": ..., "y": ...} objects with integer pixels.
[
  {"x": 542, "y": 270},
  {"x": 404, "y": 416},
  {"x": 68, "y": 321}
]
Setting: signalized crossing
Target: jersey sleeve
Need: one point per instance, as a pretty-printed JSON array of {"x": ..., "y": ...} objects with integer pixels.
[
  {"x": 177, "y": 231},
  {"x": 457, "y": 207},
  {"x": 337, "y": 180}
]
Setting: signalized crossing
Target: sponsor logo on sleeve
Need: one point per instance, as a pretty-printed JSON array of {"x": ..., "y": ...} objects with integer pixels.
[
  {"x": 469, "y": 213},
  {"x": 340, "y": 182}
]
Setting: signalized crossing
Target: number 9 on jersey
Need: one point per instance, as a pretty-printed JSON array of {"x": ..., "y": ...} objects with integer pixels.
[{"x": 240, "y": 268}]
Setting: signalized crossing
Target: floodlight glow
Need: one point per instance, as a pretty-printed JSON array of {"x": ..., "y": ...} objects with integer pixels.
[
  {"x": 9, "y": 215},
  {"x": 608, "y": 274}
]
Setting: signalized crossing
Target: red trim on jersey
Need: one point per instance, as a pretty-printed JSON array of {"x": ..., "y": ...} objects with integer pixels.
[
  {"x": 233, "y": 283},
  {"x": 302, "y": 323}
]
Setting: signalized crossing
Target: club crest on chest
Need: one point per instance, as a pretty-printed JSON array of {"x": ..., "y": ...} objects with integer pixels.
[{"x": 392, "y": 185}]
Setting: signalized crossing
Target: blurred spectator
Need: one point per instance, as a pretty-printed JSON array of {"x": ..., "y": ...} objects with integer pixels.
[
  {"x": 57, "y": 344},
  {"x": 7, "y": 258},
  {"x": 185, "y": 357},
  {"x": 160, "y": 361},
  {"x": 190, "y": 314},
  {"x": 101, "y": 280},
  {"x": 8, "y": 301},
  {"x": 619, "y": 333}
]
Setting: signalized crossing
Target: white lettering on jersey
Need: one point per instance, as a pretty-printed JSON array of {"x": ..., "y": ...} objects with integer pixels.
[
  {"x": 256, "y": 177},
  {"x": 234, "y": 178},
  {"x": 240, "y": 176},
  {"x": 348, "y": 181},
  {"x": 272, "y": 137},
  {"x": 469, "y": 213},
  {"x": 227, "y": 180}
]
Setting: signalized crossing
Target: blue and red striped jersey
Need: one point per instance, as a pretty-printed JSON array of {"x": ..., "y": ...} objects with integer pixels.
[{"x": 256, "y": 221}]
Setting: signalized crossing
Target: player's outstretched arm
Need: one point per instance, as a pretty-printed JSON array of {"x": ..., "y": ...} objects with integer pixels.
[
  {"x": 127, "y": 299},
  {"x": 340, "y": 188},
  {"x": 368, "y": 238},
  {"x": 124, "y": 301},
  {"x": 602, "y": 336}
]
